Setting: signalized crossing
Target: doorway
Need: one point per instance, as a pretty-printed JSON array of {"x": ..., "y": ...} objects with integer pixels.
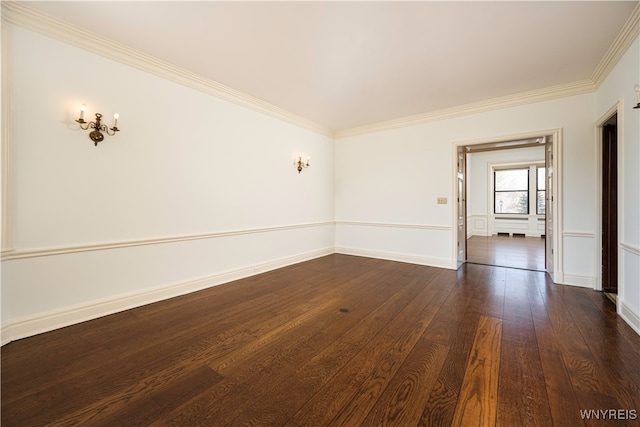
[
  {"x": 515, "y": 248},
  {"x": 609, "y": 205},
  {"x": 506, "y": 206}
]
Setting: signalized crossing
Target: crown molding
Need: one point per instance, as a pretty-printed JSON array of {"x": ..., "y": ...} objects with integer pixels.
[
  {"x": 620, "y": 45},
  {"x": 523, "y": 98},
  {"x": 630, "y": 31},
  {"x": 26, "y": 17},
  {"x": 21, "y": 15}
]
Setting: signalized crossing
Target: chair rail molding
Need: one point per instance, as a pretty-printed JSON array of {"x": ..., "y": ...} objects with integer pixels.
[
  {"x": 33, "y": 253},
  {"x": 395, "y": 225}
]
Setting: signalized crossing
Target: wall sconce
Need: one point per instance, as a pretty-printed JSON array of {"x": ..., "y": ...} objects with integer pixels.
[
  {"x": 637, "y": 89},
  {"x": 96, "y": 134},
  {"x": 301, "y": 164}
]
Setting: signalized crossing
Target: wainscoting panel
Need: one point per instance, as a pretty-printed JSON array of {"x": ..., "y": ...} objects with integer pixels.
[
  {"x": 488, "y": 225},
  {"x": 52, "y": 291},
  {"x": 580, "y": 267},
  {"x": 478, "y": 225},
  {"x": 629, "y": 297},
  {"x": 417, "y": 244},
  {"x": 529, "y": 225}
]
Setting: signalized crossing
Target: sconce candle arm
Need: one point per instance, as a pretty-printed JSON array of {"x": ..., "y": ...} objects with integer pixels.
[{"x": 83, "y": 122}]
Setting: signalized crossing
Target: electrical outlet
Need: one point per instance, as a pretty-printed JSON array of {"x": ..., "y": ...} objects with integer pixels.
[{"x": 442, "y": 200}]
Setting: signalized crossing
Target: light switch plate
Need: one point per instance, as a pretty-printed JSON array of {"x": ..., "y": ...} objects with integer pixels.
[{"x": 442, "y": 200}]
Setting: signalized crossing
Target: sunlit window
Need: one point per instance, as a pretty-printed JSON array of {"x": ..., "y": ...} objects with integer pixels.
[
  {"x": 514, "y": 192},
  {"x": 511, "y": 191},
  {"x": 540, "y": 199}
]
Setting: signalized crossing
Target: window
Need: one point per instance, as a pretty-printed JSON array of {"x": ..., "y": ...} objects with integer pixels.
[
  {"x": 519, "y": 189},
  {"x": 511, "y": 191},
  {"x": 541, "y": 189}
]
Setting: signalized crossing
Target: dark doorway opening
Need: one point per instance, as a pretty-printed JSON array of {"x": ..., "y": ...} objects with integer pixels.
[{"x": 610, "y": 205}]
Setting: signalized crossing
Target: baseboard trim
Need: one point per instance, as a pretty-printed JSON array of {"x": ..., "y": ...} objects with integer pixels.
[
  {"x": 628, "y": 315},
  {"x": 45, "y": 322},
  {"x": 394, "y": 256},
  {"x": 580, "y": 281}
]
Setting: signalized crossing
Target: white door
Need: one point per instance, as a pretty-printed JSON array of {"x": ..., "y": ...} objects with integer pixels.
[
  {"x": 462, "y": 207},
  {"x": 548, "y": 228}
]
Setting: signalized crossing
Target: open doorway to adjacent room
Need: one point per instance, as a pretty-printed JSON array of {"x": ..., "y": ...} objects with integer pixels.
[
  {"x": 506, "y": 190},
  {"x": 608, "y": 203}
]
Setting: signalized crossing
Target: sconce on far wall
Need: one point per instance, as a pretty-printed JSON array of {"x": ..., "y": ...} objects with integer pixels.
[
  {"x": 299, "y": 163},
  {"x": 637, "y": 89},
  {"x": 96, "y": 134}
]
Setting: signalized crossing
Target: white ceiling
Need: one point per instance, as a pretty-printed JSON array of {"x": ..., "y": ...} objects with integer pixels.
[{"x": 348, "y": 64}]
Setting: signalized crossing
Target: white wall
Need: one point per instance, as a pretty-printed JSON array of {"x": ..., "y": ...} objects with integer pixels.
[
  {"x": 192, "y": 192},
  {"x": 479, "y": 194},
  {"x": 388, "y": 182},
  {"x": 618, "y": 88},
  {"x": 196, "y": 191}
]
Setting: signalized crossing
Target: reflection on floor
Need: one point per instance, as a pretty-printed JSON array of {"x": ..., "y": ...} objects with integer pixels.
[{"x": 506, "y": 251}]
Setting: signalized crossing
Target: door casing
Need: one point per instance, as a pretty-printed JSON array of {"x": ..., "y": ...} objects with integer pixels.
[
  {"x": 618, "y": 110},
  {"x": 556, "y": 273}
]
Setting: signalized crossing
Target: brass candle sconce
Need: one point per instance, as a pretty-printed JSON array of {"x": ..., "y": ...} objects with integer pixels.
[{"x": 98, "y": 127}]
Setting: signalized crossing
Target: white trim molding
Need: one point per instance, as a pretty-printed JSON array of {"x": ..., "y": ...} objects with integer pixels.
[
  {"x": 557, "y": 274},
  {"x": 478, "y": 225},
  {"x": 627, "y": 247},
  {"x": 32, "y": 253},
  {"x": 410, "y": 258},
  {"x": 396, "y": 225},
  {"x": 44, "y": 322},
  {"x": 616, "y": 109},
  {"x": 530, "y": 97},
  {"x": 578, "y": 235},
  {"x": 629, "y": 316},
  {"x": 623, "y": 40},
  {"x": 26, "y": 17},
  {"x": 578, "y": 280},
  {"x": 400, "y": 257}
]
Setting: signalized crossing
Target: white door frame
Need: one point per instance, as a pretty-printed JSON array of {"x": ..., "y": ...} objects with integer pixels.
[
  {"x": 558, "y": 273},
  {"x": 616, "y": 109}
]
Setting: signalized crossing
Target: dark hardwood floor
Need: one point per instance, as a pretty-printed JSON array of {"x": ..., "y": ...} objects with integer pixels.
[
  {"x": 507, "y": 251},
  {"x": 343, "y": 341}
]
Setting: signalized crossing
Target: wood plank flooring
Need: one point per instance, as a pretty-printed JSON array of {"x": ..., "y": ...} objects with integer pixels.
[
  {"x": 507, "y": 251},
  {"x": 340, "y": 340}
]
